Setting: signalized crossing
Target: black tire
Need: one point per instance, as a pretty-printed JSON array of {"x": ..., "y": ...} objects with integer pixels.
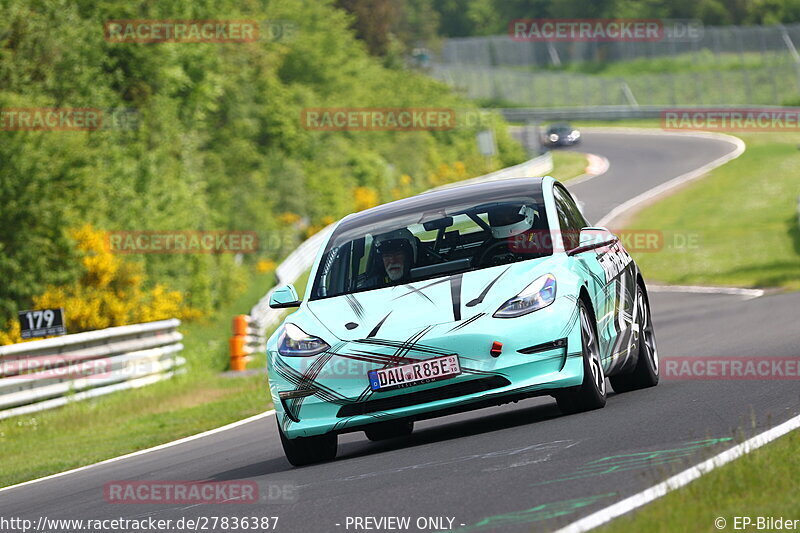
[
  {"x": 394, "y": 429},
  {"x": 591, "y": 394},
  {"x": 307, "y": 450},
  {"x": 645, "y": 373}
]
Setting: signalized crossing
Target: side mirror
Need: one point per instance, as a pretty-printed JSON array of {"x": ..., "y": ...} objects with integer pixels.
[
  {"x": 593, "y": 238},
  {"x": 283, "y": 297}
]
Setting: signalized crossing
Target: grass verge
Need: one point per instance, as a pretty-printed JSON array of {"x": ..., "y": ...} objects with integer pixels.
[
  {"x": 762, "y": 483},
  {"x": 737, "y": 226},
  {"x": 90, "y": 431},
  {"x": 567, "y": 165}
]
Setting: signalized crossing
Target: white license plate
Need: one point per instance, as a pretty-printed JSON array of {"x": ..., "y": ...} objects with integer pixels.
[{"x": 414, "y": 373}]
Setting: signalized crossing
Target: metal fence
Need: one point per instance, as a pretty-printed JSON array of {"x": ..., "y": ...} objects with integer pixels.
[
  {"x": 727, "y": 66},
  {"x": 620, "y": 112},
  {"x": 714, "y": 42},
  {"x": 49, "y": 373}
]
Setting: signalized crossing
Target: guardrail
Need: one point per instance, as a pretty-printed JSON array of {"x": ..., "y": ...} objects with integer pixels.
[
  {"x": 48, "y": 373},
  {"x": 608, "y": 112},
  {"x": 251, "y": 338}
]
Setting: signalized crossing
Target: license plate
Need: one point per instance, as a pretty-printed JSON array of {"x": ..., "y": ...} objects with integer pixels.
[{"x": 414, "y": 373}]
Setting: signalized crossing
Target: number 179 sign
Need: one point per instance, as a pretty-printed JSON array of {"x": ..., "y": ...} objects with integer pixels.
[{"x": 41, "y": 323}]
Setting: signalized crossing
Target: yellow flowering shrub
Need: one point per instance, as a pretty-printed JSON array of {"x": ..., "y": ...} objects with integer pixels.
[
  {"x": 365, "y": 197},
  {"x": 266, "y": 265},
  {"x": 289, "y": 218},
  {"x": 311, "y": 230},
  {"x": 110, "y": 292}
]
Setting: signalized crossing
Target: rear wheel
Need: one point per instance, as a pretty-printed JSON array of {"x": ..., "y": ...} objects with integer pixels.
[
  {"x": 389, "y": 430},
  {"x": 306, "y": 450},
  {"x": 645, "y": 373},
  {"x": 592, "y": 392}
]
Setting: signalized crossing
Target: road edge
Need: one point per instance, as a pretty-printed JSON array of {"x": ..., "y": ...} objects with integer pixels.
[{"x": 170, "y": 444}]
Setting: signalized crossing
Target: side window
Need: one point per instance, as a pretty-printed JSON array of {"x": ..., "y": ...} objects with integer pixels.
[{"x": 570, "y": 218}]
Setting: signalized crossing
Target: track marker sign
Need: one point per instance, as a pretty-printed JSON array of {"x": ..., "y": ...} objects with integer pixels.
[{"x": 41, "y": 323}]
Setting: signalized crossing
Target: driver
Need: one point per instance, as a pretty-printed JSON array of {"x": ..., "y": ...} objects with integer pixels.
[
  {"x": 508, "y": 220},
  {"x": 508, "y": 224},
  {"x": 398, "y": 251}
]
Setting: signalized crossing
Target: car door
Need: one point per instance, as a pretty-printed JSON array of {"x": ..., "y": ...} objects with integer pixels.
[{"x": 610, "y": 273}]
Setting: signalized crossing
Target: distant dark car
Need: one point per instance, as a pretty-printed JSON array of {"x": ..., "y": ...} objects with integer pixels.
[{"x": 561, "y": 135}]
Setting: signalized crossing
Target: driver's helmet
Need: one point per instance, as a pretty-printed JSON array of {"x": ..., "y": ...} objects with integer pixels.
[
  {"x": 507, "y": 220},
  {"x": 397, "y": 241}
]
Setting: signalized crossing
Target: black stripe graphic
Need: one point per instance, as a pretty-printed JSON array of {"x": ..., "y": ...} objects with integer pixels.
[
  {"x": 467, "y": 322},
  {"x": 455, "y": 294},
  {"x": 355, "y": 305},
  {"x": 378, "y": 326},
  {"x": 485, "y": 291}
]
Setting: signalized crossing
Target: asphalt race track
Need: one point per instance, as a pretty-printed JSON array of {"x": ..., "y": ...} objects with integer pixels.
[{"x": 519, "y": 467}]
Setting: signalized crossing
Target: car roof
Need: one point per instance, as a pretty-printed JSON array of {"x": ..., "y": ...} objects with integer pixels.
[{"x": 479, "y": 193}]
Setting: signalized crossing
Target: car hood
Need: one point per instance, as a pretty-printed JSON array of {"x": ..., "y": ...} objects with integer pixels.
[{"x": 393, "y": 311}]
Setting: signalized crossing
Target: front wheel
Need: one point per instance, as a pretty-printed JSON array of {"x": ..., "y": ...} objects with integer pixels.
[
  {"x": 645, "y": 374},
  {"x": 592, "y": 392},
  {"x": 307, "y": 450}
]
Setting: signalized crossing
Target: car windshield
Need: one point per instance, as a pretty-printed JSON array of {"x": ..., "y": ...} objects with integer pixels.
[
  {"x": 436, "y": 240},
  {"x": 561, "y": 128}
]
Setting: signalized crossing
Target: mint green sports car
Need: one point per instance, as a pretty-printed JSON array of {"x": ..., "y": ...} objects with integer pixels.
[{"x": 455, "y": 300}]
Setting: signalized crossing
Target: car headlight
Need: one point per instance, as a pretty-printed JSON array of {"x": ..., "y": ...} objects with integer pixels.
[
  {"x": 294, "y": 342},
  {"x": 537, "y": 295},
  {"x": 553, "y": 137}
]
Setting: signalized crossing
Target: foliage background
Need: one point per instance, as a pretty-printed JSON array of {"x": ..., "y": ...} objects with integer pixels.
[{"x": 219, "y": 144}]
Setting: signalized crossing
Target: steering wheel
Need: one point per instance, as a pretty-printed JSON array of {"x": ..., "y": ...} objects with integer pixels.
[{"x": 485, "y": 253}]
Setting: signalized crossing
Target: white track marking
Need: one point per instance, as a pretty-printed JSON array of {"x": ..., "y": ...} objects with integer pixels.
[
  {"x": 747, "y": 294},
  {"x": 680, "y": 180},
  {"x": 148, "y": 450},
  {"x": 687, "y": 476},
  {"x": 679, "y": 480}
]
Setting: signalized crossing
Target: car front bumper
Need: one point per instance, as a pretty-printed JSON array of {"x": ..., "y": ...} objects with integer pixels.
[{"x": 541, "y": 352}]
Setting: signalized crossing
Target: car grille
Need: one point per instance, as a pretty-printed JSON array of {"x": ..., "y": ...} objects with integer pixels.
[{"x": 430, "y": 395}]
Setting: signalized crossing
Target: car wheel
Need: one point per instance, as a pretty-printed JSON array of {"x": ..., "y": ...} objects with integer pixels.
[
  {"x": 645, "y": 373},
  {"x": 306, "y": 450},
  {"x": 389, "y": 430},
  {"x": 591, "y": 394}
]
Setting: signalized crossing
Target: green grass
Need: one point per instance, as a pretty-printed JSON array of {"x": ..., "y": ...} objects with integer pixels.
[
  {"x": 742, "y": 217},
  {"x": 568, "y": 165},
  {"x": 702, "y": 61},
  {"x": 86, "y": 432},
  {"x": 765, "y": 482}
]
